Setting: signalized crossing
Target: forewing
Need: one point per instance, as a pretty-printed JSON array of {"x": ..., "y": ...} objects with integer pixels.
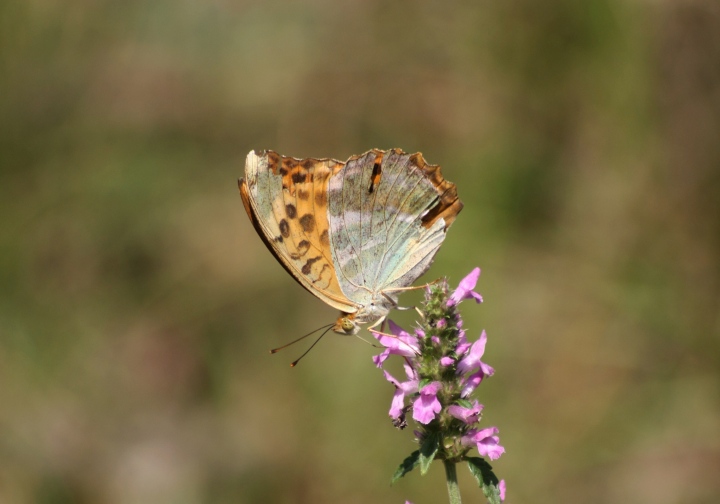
[{"x": 286, "y": 199}]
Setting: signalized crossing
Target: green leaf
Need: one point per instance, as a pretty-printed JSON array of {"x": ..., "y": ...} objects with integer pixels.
[
  {"x": 486, "y": 478},
  {"x": 428, "y": 450},
  {"x": 407, "y": 465}
]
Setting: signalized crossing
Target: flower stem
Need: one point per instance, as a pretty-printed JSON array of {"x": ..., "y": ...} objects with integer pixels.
[{"x": 452, "y": 484}]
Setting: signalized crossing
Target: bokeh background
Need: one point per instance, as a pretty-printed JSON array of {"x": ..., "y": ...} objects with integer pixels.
[{"x": 137, "y": 305}]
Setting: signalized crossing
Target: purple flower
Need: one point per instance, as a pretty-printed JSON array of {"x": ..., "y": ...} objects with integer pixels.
[
  {"x": 467, "y": 415},
  {"x": 442, "y": 370},
  {"x": 471, "y": 382},
  {"x": 402, "y": 344},
  {"x": 472, "y": 359},
  {"x": 446, "y": 361},
  {"x": 486, "y": 441},
  {"x": 427, "y": 405},
  {"x": 402, "y": 389},
  {"x": 465, "y": 289},
  {"x": 463, "y": 344}
]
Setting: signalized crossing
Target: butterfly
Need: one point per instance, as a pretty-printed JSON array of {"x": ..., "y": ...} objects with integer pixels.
[{"x": 356, "y": 233}]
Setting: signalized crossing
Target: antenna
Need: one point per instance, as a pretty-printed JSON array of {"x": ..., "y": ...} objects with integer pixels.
[
  {"x": 294, "y": 363},
  {"x": 276, "y": 350}
]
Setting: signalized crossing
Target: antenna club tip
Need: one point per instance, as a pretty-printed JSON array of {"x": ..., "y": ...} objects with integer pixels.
[
  {"x": 293, "y": 364},
  {"x": 274, "y": 350}
]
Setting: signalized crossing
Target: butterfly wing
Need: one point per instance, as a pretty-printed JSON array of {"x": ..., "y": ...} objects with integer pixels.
[
  {"x": 388, "y": 215},
  {"x": 286, "y": 199}
]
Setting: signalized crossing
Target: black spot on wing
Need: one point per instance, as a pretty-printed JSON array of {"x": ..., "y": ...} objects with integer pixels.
[
  {"x": 320, "y": 276},
  {"x": 284, "y": 228},
  {"x": 307, "y": 222},
  {"x": 302, "y": 249},
  {"x": 307, "y": 267},
  {"x": 375, "y": 176},
  {"x": 273, "y": 160},
  {"x": 290, "y": 210},
  {"x": 289, "y": 163}
]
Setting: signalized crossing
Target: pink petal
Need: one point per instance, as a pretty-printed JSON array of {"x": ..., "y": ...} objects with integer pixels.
[
  {"x": 398, "y": 404},
  {"x": 472, "y": 359},
  {"x": 467, "y": 415},
  {"x": 488, "y": 443},
  {"x": 465, "y": 289},
  {"x": 446, "y": 361},
  {"x": 425, "y": 408},
  {"x": 471, "y": 383},
  {"x": 427, "y": 405}
]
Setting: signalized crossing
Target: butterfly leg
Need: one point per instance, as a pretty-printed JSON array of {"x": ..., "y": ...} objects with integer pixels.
[
  {"x": 403, "y": 308},
  {"x": 393, "y": 301},
  {"x": 381, "y": 332},
  {"x": 380, "y": 322},
  {"x": 404, "y": 289},
  {"x": 413, "y": 287},
  {"x": 368, "y": 342}
]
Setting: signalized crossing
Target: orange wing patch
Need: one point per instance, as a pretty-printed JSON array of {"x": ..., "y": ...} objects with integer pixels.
[
  {"x": 291, "y": 196},
  {"x": 302, "y": 214}
]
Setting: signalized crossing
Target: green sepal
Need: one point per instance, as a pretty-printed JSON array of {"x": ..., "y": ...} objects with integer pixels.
[
  {"x": 428, "y": 450},
  {"x": 407, "y": 465},
  {"x": 464, "y": 403},
  {"x": 424, "y": 382},
  {"x": 486, "y": 478}
]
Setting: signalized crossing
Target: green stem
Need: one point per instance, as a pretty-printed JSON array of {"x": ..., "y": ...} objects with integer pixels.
[{"x": 452, "y": 484}]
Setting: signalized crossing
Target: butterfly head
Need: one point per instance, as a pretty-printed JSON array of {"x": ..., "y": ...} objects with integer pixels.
[
  {"x": 346, "y": 325},
  {"x": 373, "y": 313}
]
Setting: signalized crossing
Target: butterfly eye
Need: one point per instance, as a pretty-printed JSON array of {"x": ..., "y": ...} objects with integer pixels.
[{"x": 347, "y": 325}]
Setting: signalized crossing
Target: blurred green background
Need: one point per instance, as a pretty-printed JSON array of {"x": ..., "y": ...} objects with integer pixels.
[{"x": 137, "y": 304}]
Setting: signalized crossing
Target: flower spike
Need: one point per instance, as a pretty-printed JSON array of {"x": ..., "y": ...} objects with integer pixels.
[{"x": 443, "y": 369}]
